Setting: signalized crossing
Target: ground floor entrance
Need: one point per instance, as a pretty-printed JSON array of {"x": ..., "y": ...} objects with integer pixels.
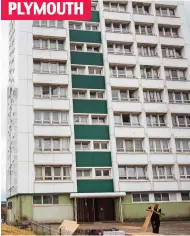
[{"x": 95, "y": 209}]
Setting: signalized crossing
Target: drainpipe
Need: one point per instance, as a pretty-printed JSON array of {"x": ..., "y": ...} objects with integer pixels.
[
  {"x": 121, "y": 210},
  {"x": 75, "y": 206}
]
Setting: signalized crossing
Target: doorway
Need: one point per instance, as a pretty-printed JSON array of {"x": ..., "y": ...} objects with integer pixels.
[{"x": 95, "y": 209}]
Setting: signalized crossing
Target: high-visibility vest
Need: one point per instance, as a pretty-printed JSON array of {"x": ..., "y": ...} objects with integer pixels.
[{"x": 162, "y": 214}]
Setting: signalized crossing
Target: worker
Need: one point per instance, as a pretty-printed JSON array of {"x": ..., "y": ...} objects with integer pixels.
[{"x": 155, "y": 219}]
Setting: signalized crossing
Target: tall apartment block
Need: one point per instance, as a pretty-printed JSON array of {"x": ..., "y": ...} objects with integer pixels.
[{"x": 99, "y": 114}]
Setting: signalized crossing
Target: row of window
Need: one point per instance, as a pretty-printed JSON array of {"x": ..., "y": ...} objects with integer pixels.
[
  {"x": 51, "y": 117},
  {"x": 130, "y": 172},
  {"x": 160, "y": 197},
  {"x": 136, "y": 197},
  {"x": 52, "y": 44},
  {"x": 49, "y": 23},
  {"x": 155, "y": 145},
  {"x": 159, "y": 172}
]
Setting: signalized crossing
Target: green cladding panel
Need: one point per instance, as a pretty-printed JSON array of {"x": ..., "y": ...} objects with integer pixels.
[
  {"x": 90, "y": 106},
  {"x": 95, "y": 16},
  {"x": 87, "y": 58},
  {"x": 93, "y": 159},
  {"x": 85, "y": 36},
  {"x": 92, "y": 132},
  {"x": 95, "y": 186},
  {"x": 88, "y": 81}
]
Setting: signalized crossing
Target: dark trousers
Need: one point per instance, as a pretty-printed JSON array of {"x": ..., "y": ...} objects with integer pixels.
[{"x": 155, "y": 226}]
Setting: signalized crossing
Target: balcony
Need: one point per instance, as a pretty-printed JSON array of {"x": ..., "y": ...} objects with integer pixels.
[
  {"x": 184, "y": 184},
  {"x": 181, "y": 132},
  {"x": 130, "y": 131},
  {"x": 149, "y": 39},
  {"x": 162, "y": 158},
  {"x": 152, "y": 83},
  {"x": 56, "y": 186},
  {"x": 50, "y": 158},
  {"x": 149, "y": 60},
  {"x": 50, "y": 54},
  {"x": 165, "y": 185},
  {"x": 162, "y": 20},
  {"x": 155, "y": 107},
  {"x": 61, "y": 79},
  {"x": 55, "y": 104},
  {"x": 179, "y": 84},
  {"x": 117, "y": 16},
  {"x": 175, "y": 62},
  {"x": 132, "y": 158},
  {"x": 158, "y": 132},
  {"x": 183, "y": 158},
  {"x": 128, "y": 59},
  {"x": 178, "y": 108},
  {"x": 124, "y": 82},
  {"x": 143, "y": 18},
  {"x": 172, "y": 41},
  {"x": 126, "y": 106},
  {"x": 50, "y": 32},
  {"x": 119, "y": 37},
  {"x": 52, "y": 130},
  {"x": 133, "y": 185}
]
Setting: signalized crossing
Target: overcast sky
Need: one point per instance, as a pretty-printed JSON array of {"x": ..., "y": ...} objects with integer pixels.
[{"x": 4, "y": 78}]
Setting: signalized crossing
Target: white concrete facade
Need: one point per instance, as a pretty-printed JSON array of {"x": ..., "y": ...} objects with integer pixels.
[{"x": 22, "y": 131}]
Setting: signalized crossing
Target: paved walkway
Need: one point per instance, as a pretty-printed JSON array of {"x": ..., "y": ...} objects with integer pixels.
[{"x": 166, "y": 228}]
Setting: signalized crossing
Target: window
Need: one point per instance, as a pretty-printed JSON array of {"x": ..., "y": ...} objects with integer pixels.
[
  {"x": 185, "y": 196},
  {"x": 184, "y": 172},
  {"x": 132, "y": 172},
  {"x": 100, "y": 145},
  {"x": 96, "y": 95},
  {"x": 84, "y": 173},
  {"x": 117, "y": 27},
  {"x": 52, "y": 173},
  {"x": 93, "y": 48},
  {"x": 51, "y": 44},
  {"x": 165, "y": 11},
  {"x": 162, "y": 172},
  {"x": 50, "y": 92},
  {"x": 124, "y": 95},
  {"x": 119, "y": 48},
  {"x": 149, "y": 73},
  {"x": 155, "y": 120},
  {"x": 144, "y": 29},
  {"x": 51, "y": 144},
  {"x": 159, "y": 197},
  {"x": 140, "y": 8},
  {"x": 94, "y": 6},
  {"x": 76, "y": 47},
  {"x": 49, "y": 67},
  {"x": 179, "y": 97},
  {"x": 130, "y": 145},
  {"x": 118, "y": 7},
  {"x": 75, "y": 25},
  {"x": 147, "y": 51},
  {"x": 95, "y": 71},
  {"x": 152, "y": 96},
  {"x": 172, "y": 52},
  {"x": 159, "y": 145},
  {"x": 79, "y": 94},
  {"x": 49, "y": 23},
  {"x": 78, "y": 70},
  {"x": 122, "y": 71},
  {"x": 91, "y": 26},
  {"x": 82, "y": 146},
  {"x": 140, "y": 197},
  {"x": 182, "y": 145},
  {"x": 80, "y": 119},
  {"x": 175, "y": 74},
  {"x": 37, "y": 199},
  {"x": 168, "y": 32},
  {"x": 98, "y": 119},
  {"x": 181, "y": 120},
  {"x": 126, "y": 119},
  {"x": 102, "y": 172},
  {"x": 47, "y": 117}
]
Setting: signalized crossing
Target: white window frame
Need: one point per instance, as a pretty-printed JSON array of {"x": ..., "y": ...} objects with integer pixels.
[
  {"x": 165, "y": 34},
  {"x": 174, "y": 50},
  {"x": 56, "y": 25},
  {"x": 176, "y": 117},
  {"x": 136, "y": 9},
  {"x": 81, "y": 118},
  {"x": 95, "y": 70},
  {"x": 115, "y": 71},
  {"x": 122, "y": 123},
  {"x": 49, "y": 64},
  {"x": 79, "y": 70},
  {"x": 83, "y": 173},
  {"x": 136, "y": 176},
  {"x": 74, "y": 25},
  {"x": 123, "y": 146},
  {"x": 75, "y": 45},
  {"x": 153, "y": 70},
  {"x": 57, "y": 48},
  {"x": 127, "y": 98},
  {"x": 93, "y": 46},
  {"x": 123, "y": 28},
  {"x": 100, "y": 144},
  {"x": 188, "y": 193},
  {"x": 158, "y": 123},
  {"x": 96, "y": 94},
  {"x": 94, "y": 6},
  {"x": 119, "y": 9},
  {"x": 161, "y": 196},
  {"x": 50, "y": 149},
  {"x": 60, "y": 122},
  {"x": 185, "y": 175},
  {"x": 50, "y": 96},
  {"x": 79, "y": 94},
  {"x": 112, "y": 48},
  {"x": 150, "y": 49},
  {"x": 146, "y": 29},
  {"x": 102, "y": 173},
  {"x": 42, "y": 202},
  {"x": 181, "y": 96},
  {"x": 90, "y": 26},
  {"x": 98, "y": 117},
  {"x": 178, "y": 71},
  {"x": 165, "y": 174},
  {"x": 140, "y": 194},
  {"x": 156, "y": 99},
  {"x": 81, "y": 143},
  {"x": 180, "y": 141},
  {"x": 162, "y": 146},
  {"x": 160, "y": 9}
]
